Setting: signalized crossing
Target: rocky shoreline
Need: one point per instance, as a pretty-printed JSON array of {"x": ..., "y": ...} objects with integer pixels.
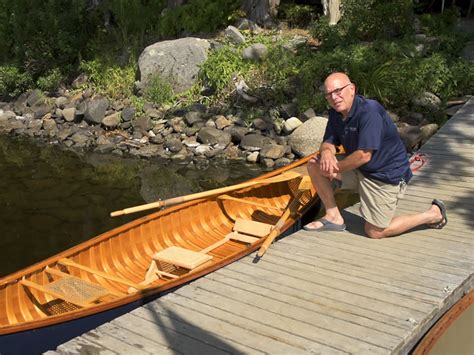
[{"x": 84, "y": 122}]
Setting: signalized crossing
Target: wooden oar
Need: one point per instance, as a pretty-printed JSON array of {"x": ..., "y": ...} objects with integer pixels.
[
  {"x": 287, "y": 175},
  {"x": 305, "y": 185}
]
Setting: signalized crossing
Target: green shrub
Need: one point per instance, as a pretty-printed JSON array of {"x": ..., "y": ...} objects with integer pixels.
[
  {"x": 50, "y": 81},
  {"x": 13, "y": 82},
  {"x": 158, "y": 90},
  {"x": 108, "y": 78},
  {"x": 367, "y": 21},
  {"x": 221, "y": 68}
]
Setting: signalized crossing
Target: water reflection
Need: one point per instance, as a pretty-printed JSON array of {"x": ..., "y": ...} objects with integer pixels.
[{"x": 52, "y": 199}]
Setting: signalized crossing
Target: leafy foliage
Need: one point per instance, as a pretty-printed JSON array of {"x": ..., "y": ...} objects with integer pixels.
[
  {"x": 158, "y": 90},
  {"x": 13, "y": 82},
  {"x": 108, "y": 78}
]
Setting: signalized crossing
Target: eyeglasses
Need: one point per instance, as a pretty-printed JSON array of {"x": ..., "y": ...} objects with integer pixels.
[{"x": 336, "y": 92}]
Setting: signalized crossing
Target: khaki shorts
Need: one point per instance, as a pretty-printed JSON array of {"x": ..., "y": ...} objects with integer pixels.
[{"x": 378, "y": 200}]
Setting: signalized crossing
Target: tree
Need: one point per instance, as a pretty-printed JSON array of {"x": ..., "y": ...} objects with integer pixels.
[
  {"x": 332, "y": 8},
  {"x": 261, "y": 11}
]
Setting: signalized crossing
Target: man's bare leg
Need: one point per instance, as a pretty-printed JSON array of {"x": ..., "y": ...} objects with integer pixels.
[
  {"x": 326, "y": 194},
  {"x": 400, "y": 224}
]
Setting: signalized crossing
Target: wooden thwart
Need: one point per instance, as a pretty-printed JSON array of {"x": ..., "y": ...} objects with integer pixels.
[
  {"x": 69, "y": 262},
  {"x": 246, "y": 231},
  {"x": 248, "y": 202}
]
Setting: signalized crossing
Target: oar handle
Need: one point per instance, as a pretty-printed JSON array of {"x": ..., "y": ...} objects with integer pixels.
[{"x": 148, "y": 206}]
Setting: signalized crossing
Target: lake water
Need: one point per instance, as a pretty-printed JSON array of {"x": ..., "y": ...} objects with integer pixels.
[{"x": 51, "y": 199}]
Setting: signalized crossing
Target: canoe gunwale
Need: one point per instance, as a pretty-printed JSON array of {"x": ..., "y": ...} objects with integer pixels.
[{"x": 148, "y": 292}]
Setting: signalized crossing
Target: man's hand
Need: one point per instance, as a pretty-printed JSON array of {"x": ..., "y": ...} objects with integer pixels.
[{"x": 328, "y": 164}]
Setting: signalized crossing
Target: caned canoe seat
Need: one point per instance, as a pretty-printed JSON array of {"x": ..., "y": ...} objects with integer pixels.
[
  {"x": 246, "y": 231},
  {"x": 71, "y": 289}
]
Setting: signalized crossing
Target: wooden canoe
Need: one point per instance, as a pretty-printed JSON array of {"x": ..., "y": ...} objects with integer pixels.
[{"x": 136, "y": 262}]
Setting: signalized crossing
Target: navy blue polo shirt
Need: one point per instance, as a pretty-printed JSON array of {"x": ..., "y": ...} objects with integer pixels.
[{"x": 368, "y": 126}]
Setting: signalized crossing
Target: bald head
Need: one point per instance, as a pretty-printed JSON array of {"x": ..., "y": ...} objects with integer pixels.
[
  {"x": 339, "y": 92},
  {"x": 339, "y": 78}
]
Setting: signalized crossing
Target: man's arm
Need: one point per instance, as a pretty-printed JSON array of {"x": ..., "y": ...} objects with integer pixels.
[{"x": 355, "y": 160}]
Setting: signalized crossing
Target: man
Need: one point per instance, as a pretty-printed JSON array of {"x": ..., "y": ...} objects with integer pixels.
[{"x": 375, "y": 164}]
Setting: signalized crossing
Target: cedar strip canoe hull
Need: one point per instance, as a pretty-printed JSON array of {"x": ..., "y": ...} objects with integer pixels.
[{"x": 120, "y": 258}]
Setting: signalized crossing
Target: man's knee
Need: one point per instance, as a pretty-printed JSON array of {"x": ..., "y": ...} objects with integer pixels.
[
  {"x": 374, "y": 232},
  {"x": 313, "y": 167}
]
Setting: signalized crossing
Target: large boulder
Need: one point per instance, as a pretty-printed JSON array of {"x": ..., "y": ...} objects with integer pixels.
[
  {"x": 176, "y": 61},
  {"x": 307, "y": 138}
]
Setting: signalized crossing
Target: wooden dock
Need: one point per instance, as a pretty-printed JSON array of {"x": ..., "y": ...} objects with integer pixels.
[{"x": 324, "y": 293}]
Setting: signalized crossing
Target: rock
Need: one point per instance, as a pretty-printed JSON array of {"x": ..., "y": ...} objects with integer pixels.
[
  {"x": 210, "y": 123},
  {"x": 272, "y": 151},
  {"x": 427, "y": 131},
  {"x": 191, "y": 142},
  {"x": 234, "y": 35},
  {"x": 80, "y": 81},
  {"x": 209, "y": 135},
  {"x": 288, "y": 110},
  {"x": 128, "y": 113},
  {"x": 202, "y": 149},
  {"x": 60, "y": 101},
  {"x": 35, "y": 97},
  {"x": 157, "y": 139},
  {"x": 80, "y": 139},
  {"x": 242, "y": 89},
  {"x": 308, "y": 114},
  {"x": 252, "y": 157},
  {"x": 233, "y": 152},
  {"x": 112, "y": 120},
  {"x": 150, "y": 151},
  {"x": 237, "y": 133},
  {"x": 177, "y": 61},
  {"x": 193, "y": 117},
  {"x": 268, "y": 163},
  {"x": 7, "y": 115},
  {"x": 191, "y": 131},
  {"x": 428, "y": 101},
  {"x": 95, "y": 110},
  {"x": 34, "y": 127},
  {"x": 178, "y": 124},
  {"x": 256, "y": 52},
  {"x": 246, "y": 24},
  {"x": 291, "y": 124},
  {"x": 64, "y": 133},
  {"x": 261, "y": 124},
  {"x": 39, "y": 111},
  {"x": 282, "y": 162},
  {"x": 153, "y": 113},
  {"x": 182, "y": 156},
  {"x": 222, "y": 122},
  {"x": 307, "y": 138},
  {"x": 296, "y": 43},
  {"x": 50, "y": 126},
  {"x": 253, "y": 142},
  {"x": 142, "y": 124},
  {"x": 174, "y": 145},
  {"x": 105, "y": 148},
  {"x": 198, "y": 107},
  {"x": 411, "y": 136}
]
